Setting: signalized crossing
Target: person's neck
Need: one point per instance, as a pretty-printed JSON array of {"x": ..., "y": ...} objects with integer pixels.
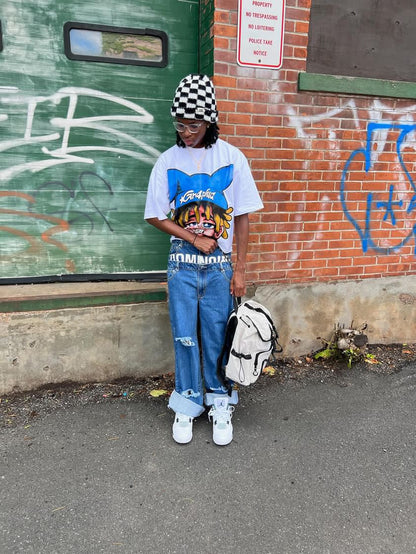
[{"x": 199, "y": 146}]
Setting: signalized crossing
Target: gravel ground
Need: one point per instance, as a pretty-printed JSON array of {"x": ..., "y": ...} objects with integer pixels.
[{"x": 22, "y": 408}]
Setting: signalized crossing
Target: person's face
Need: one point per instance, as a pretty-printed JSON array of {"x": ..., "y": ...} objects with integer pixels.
[{"x": 192, "y": 139}]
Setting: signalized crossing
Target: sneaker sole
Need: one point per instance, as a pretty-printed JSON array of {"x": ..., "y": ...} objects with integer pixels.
[
  {"x": 181, "y": 441},
  {"x": 222, "y": 443}
]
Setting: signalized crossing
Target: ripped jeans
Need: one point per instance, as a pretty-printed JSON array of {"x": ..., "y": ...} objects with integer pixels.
[{"x": 199, "y": 300}]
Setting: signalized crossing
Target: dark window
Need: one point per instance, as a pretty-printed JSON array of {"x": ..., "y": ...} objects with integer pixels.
[
  {"x": 102, "y": 43},
  {"x": 1, "y": 38},
  {"x": 363, "y": 38}
]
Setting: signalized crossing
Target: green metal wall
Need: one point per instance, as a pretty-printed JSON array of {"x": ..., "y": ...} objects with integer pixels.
[
  {"x": 78, "y": 139},
  {"x": 206, "y": 40}
]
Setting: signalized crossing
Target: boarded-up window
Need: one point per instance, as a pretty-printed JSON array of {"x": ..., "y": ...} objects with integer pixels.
[{"x": 363, "y": 38}]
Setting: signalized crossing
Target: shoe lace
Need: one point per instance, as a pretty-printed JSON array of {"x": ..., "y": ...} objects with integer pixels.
[{"x": 221, "y": 416}]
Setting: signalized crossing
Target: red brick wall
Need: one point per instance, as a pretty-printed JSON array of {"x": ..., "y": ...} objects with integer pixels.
[{"x": 298, "y": 145}]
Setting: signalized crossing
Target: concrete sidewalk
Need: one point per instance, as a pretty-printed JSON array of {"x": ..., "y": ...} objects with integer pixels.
[{"x": 315, "y": 467}]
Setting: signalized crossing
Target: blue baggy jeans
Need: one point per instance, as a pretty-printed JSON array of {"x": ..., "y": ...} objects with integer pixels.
[{"x": 199, "y": 305}]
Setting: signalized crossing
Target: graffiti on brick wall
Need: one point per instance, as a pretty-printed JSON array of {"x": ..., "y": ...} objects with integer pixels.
[
  {"x": 377, "y": 190},
  {"x": 388, "y": 223}
]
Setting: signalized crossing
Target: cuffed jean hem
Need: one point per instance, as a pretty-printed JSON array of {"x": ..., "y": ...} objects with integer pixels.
[
  {"x": 211, "y": 396},
  {"x": 181, "y": 404}
]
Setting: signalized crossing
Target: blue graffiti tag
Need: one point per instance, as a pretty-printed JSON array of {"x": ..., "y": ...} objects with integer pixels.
[{"x": 390, "y": 206}]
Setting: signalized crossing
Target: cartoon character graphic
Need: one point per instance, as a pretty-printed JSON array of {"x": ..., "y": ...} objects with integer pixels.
[{"x": 200, "y": 203}]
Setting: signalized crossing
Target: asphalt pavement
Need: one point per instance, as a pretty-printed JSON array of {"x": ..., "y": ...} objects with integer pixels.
[{"x": 316, "y": 467}]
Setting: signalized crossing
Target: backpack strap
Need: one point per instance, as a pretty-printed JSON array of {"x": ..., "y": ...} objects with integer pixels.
[
  {"x": 226, "y": 347},
  {"x": 277, "y": 348},
  {"x": 236, "y": 302}
]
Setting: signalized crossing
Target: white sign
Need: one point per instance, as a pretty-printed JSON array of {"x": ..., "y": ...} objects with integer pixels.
[{"x": 260, "y": 33}]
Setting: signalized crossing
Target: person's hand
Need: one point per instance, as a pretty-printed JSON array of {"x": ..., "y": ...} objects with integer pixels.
[
  {"x": 205, "y": 244},
  {"x": 238, "y": 283}
]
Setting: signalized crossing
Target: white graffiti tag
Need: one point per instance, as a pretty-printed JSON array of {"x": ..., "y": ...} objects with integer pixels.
[
  {"x": 377, "y": 112},
  {"x": 63, "y": 126}
]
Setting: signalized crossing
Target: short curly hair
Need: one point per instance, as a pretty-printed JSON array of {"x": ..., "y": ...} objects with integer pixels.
[{"x": 211, "y": 136}]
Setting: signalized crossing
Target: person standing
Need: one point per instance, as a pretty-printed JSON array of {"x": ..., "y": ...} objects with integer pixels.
[{"x": 200, "y": 192}]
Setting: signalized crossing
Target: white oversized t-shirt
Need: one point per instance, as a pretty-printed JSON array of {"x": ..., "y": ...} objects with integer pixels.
[{"x": 203, "y": 189}]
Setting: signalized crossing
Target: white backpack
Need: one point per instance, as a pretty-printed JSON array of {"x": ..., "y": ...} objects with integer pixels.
[{"x": 250, "y": 339}]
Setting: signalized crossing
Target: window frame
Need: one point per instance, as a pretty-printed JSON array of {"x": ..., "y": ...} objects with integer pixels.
[
  {"x": 344, "y": 84},
  {"x": 335, "y": 82},
  {"x": 69, "y": 25}
]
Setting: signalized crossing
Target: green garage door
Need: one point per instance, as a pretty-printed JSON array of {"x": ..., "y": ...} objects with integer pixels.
[{"x": 85, "y": 92}]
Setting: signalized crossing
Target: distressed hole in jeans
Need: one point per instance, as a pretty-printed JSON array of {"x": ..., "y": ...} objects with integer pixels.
[
  {"x": 191, "y": 393},
  {"x": 185, "y": 341},
  {"x": 219, "y": 390}
]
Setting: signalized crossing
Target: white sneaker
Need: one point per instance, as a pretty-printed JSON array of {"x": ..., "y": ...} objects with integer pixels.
[
  {"x": 222, "y": 428},
  {"x": 182, "y": 428}
]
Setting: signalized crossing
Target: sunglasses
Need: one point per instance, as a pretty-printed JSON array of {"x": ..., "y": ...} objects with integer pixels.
[{"x": 192, "y": 127}]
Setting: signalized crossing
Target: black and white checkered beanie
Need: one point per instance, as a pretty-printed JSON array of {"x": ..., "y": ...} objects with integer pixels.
[{"x": 195, "y": 99}]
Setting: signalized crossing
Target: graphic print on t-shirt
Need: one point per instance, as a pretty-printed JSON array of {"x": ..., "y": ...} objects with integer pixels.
[{"x": 200, "y": 203}]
